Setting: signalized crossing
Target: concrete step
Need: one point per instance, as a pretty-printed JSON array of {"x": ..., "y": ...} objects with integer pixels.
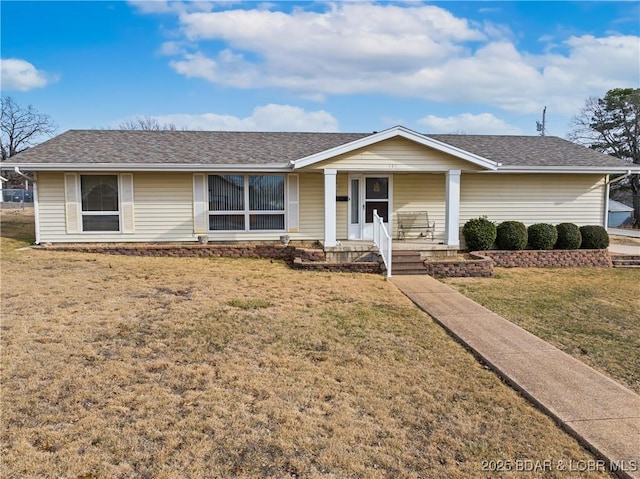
[
  {"x": 626, "y": 261},
  {"x": 406, "y": 259},
  {"x": 406, "y": 252},
  {"x": 401, "y": 272},
  {"x": 409, "y": 264},
  {"x": 626, "y": 257}
]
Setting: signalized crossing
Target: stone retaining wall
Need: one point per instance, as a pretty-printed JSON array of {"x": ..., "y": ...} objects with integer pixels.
[
  {"x": 477, "y": 267},
  {"x": 352, "y": 267},
  {"x": 273, "y": 251},
  {"x": 481, "y": 264},
  {"x": 565, "y": 258}
]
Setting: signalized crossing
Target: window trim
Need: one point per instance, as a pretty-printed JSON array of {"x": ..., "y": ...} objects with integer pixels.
[
  {"x": 246, "y": 212},
  {"x": 83, "y": 213}
]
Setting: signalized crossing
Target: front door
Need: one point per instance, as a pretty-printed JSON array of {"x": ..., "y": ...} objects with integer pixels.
[{"x": 367, "y": 193}]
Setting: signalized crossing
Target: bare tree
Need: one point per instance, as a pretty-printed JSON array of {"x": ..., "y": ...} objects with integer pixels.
[
  {"x": 146, "y": 123},
  {"x": 22, "y": 127},
  {"x": 612, "y": 125}
]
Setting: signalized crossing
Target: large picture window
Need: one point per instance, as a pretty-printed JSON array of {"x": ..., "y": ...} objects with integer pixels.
[
  {"x": 100, "y": 205},
  {"x": 246, "y": 203}
]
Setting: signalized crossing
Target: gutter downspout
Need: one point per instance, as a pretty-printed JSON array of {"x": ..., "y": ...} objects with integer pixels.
[
  {"x": 619, "y": 178},
  {"x": 606, "y": 203},
  {"x": 608, "y": 184},
  {"x": 26, "y": 177},
  {"x": 34, "y": 182}
]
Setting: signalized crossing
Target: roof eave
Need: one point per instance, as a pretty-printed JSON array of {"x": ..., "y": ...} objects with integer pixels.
[
  {"x": 152, "y": 167},
  {"x": 605, "y": 170},
  {"x": 396, "y": 131}
]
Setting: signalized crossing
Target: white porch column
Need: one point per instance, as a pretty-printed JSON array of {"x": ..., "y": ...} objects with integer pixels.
[
  {"x": 452, "y": 217},
  {"x": 330, "y": 207}
]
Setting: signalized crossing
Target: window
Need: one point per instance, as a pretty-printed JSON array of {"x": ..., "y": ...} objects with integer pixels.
[
  {"x": 100, "y": 205},
  {"x": 246, "y": 202}
]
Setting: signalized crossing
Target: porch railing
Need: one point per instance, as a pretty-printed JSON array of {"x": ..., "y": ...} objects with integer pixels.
[{"x": 382, "y": 239}]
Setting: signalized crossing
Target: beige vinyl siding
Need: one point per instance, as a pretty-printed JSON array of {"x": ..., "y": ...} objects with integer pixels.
[
  {"x": 420, "y": 192},
  {"x": 162, "y": 209},
  {"x": 396, "y": 154},
  {"x": 311, "y": 207},
  {"x": 342, "y": 207},
  {"x": 533, "y": 198}
]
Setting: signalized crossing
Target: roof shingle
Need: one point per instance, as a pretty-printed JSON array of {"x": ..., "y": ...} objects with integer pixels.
[{"x": 277, "y": 149}]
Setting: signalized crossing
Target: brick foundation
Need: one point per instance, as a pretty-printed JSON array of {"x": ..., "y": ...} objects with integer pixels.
[{"x": 565, "y": 258}]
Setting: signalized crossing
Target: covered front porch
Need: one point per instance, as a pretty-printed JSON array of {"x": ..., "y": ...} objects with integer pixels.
[{"x": 350, "y": 200}]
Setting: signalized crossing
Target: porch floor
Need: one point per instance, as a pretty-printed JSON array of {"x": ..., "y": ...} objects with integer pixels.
[{"x": 397, "y": 245}]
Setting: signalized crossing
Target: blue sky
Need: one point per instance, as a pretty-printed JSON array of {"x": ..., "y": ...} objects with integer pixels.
[{"x": 435, "y": 67}]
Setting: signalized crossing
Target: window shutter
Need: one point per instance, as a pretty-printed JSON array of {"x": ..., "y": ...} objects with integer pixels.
[
  {"x": 293, "y": 206},
  {"x": 71, "y": 205},
  {"x": 200, "y": 203},
  {"x": 126, "y": 202}
]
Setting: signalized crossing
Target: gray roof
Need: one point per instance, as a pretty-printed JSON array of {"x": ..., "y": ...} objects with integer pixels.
[
  {"x": 530, "y": 150},
  {"x": 267, "y": 148},
  {"x": 181, "y": 147}
]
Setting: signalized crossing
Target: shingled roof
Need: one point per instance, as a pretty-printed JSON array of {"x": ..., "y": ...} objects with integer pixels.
[
  {"x": 529, "y": 150},
  {"x": 266, "y": 149},
  {"x": 182, "y": 147}
]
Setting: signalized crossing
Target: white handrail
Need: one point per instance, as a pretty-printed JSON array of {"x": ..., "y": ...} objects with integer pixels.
[{"x": 382, "y": 239}]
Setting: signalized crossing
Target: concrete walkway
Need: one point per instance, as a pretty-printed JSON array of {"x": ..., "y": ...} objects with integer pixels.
[
  {"x": 602, "y": 414},
  {"x": 624, "y": 249},
  {"x": 624, "y": 232}
]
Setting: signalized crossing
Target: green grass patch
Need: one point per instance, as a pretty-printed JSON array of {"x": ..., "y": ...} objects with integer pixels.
[{"x": 249, "y": 304}]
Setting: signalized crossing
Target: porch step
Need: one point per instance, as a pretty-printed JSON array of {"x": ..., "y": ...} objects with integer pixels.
[
  {"x": 626, "y": 261},
  {"x": 407, "y": 262}
]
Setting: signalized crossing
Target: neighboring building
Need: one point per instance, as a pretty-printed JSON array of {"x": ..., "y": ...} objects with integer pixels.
[
  {"x": 173, "y": 186},
  {"x": 619, "y": 214}
]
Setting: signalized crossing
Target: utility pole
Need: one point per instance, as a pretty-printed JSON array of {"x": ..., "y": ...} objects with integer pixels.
[{"x": 541, "y": 127}]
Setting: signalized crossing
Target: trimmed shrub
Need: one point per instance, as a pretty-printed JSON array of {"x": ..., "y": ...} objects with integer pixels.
[
  {"x": 594, "y": 237},
  {"x": 511, "y": 235},
  {"x": 479, "y": 233},
  {"x": 569, "y": 236},
  {"x": 542, "y": 236}
]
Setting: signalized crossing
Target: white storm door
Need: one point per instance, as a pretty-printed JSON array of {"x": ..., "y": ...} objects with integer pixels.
[
  {"x": 376, "y": 192},
  {"x": 355, "y": 207}
]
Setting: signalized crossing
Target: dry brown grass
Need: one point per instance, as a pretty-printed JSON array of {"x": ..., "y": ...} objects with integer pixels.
[
  {"x": 174, "y": 367},
  {"x": 591, "y": 313}
]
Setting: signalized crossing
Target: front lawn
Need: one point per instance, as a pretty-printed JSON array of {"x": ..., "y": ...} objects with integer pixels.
[{"x": 128, "y": 367}]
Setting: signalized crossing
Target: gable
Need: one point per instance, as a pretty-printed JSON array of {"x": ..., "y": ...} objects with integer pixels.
[{"x": 395, "y": 154}]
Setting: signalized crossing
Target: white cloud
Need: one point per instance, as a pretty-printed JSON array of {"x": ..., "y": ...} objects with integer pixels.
[
  {"x": 172, "y": 48},
  {"x": 263, "y": 118},
  {"x": 482, "y": 124},
  {"x": 20, "y": 75},
  {"x": 172, "y": 6},
  {"x": 410, "y": 50}
]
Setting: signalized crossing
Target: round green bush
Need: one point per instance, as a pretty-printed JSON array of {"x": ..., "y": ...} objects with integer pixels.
[
  {"x": 542, "y": 236},
  {"x": 569, "y": 236},
  {"x": 594, "y": 237},
  {"x": 479, "y": 234},
  {"x": 511, "y": 235}
]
